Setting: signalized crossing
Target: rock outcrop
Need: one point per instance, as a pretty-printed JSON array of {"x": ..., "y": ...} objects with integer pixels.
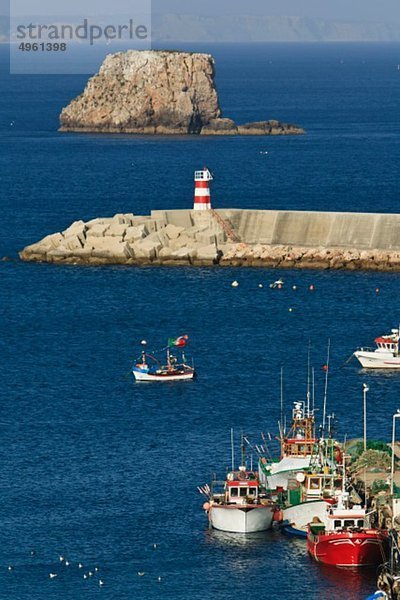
[
  {"x": 195, "y": 238},
  {"x": 157, "y": 92}
]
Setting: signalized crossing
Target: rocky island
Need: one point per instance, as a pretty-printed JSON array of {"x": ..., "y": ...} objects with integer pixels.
[
  {"x": 158, "y": 93},
  {"x": 229, "y": 237}
]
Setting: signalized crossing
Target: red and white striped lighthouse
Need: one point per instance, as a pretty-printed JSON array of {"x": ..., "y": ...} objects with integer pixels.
[{"x": 202, "y": 196}]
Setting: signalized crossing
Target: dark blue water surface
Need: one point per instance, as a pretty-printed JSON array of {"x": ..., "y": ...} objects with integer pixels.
[{"x": 99, "y": 469}]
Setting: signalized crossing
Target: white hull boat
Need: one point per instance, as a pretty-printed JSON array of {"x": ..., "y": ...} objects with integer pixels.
[
  {"x": 246, "y": 518},
  {"x": 384, "y": 356},
  {"x": 163, "y": 375},
  {"x": 377, "y": 359},
  {"x": 300, "y": 515}
]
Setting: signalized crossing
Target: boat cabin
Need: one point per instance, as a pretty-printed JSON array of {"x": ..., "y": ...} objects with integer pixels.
[
  {"x": 301, "y": 439},
  {"x": 242, "y": 492},
  {"x": 321, "y": 485},
  {"x": 389, "y": 343}
]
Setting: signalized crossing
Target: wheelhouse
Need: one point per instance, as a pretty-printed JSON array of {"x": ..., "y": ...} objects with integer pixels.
[{"x": 242, "y": 492}]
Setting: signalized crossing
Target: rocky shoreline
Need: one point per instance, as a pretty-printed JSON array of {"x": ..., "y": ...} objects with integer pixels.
[{"x": 206, "y": 239}]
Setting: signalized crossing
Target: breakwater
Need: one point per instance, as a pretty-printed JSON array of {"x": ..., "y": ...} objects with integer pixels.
[{"x": 231, "y": 237}]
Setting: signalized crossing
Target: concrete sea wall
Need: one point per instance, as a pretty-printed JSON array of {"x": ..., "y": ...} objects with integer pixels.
[{"x": 272, "y": 238}]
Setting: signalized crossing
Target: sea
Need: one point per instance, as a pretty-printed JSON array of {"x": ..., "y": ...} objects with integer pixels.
[{"x": 103, "y": 471}]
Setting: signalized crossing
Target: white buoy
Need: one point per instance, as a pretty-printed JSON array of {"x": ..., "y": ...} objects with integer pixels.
[
  {"x": 235, "y": 284},
  {"x": 294, "y": 287},
  {"x": 290, "y": 309},
  {"x": 140, "y": 573},
  {"x": 101, "y": 582},
  {"x": 154, "y": 545},
  {"x": 52, "y": 575},
  {"x": 80, "y": 566},
  {"x": 61, "y": 558},
  {"x": 10, "y": 568},
  {"x": 158, "y": 578},
  {"x": 260, "y": 285},
  {"x": 67, "y": 563}
]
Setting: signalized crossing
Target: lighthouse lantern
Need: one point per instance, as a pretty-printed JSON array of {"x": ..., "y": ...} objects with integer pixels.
[{"x": 202, "y": 195}]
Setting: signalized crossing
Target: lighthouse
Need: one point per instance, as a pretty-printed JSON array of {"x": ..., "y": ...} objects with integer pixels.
[{"x": 202, "y": 196}]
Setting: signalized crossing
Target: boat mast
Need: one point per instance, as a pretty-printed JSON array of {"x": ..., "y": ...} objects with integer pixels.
[
  {"x": 281, "y": 424},
  {"x": 308, "y": 379},
  {"x": 326, "y": 388},
  {"x": 232, "y": 451}
]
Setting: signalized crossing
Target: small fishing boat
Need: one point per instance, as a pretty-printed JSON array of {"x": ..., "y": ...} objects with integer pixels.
[
  {"x": 239, "y": 504},
  {"x": 345, "y": 538},
  {"x": 175, "y": 368},
  {"x": 384, "y": 356}
]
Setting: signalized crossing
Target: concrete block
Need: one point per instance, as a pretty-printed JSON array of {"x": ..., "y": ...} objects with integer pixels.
[
  {"x": 147, "y": 249},
  {"x": 138, "y": 232},
  {"x": 103, "y": 221},
  {"x": 206, "y": 252},
  {"x": 180, "y": 218},
  {"x": 111, "y": 247},
  {"x": 72, "y": 243},
  {"x": 76, "y": 229},
  {"x": 116, "y": 230},
  {"x": 181, "y": 241},
  {"x": 173, "y": 232},
  {"x": 49, "y": 242},
  {"x": 185, "y": 252},
  {"x": 206, "y": 237},
  {"x": 97, "y": 230}
]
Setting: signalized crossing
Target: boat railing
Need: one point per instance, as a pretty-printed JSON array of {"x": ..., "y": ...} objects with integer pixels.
[{"x": 366, "y": 349}]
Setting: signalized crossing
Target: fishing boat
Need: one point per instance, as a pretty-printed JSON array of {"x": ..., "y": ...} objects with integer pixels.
[
  {"x": 175, "y": 368},
  {"x": 239, "y": 504},
  {"x": 297, "y": 450},
  {"x": 345, "y": 537},
  {"x": 384, "y": 356}
]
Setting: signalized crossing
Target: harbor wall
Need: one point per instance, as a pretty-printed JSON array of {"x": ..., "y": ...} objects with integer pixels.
[
  {"x": 301, "y": 228},
  {"x": 229, "y": 237}
]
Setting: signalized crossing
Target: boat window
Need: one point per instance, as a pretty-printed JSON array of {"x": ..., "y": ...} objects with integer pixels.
[
  {"x": 234, "y": 492},
  {"x": 252, "y": 491},
  {"x": 348, "y": 523},
  {"x": 243, "y": 491},
  {"x": 360, "y": 523},
  {"x": 337, "y": 524},
  {"x": 314, "y": 483}
]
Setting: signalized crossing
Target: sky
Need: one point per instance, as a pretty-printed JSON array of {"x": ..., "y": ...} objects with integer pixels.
[{"x": 353, "y": 10}]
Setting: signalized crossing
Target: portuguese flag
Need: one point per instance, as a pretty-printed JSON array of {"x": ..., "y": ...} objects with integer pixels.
[{"x": 178, "y": 342}]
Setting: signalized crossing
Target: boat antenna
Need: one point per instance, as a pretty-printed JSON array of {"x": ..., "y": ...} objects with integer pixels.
[
  {"x": 308, "y": 378},
  {"x": 281, "y": 425},
  {"x": 242, "y": 449},
  {"x": 326, "y": 386},
  {"x": 232, "y": 450},
  {"x": 313, "y": 390}
]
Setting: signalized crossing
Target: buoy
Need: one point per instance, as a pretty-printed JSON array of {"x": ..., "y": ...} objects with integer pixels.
[
  {"x": 202, "y": 195},
  {"x": 80, "y": 566},
  {"x": 235, "y": 283},
  {"x": 278, "y": 515},
  {"x": 294, "y": 287},
  {"x": 290, "y": 309},
  {"x": 101, "y": 582},
  {"x": 158, "y": 578},
  {"x": 10, "y": 568},
  {"x": 140, "y": 573},
  {"x": 260, "y": 285},
  {"x": 206, "y": 506},
  {"x": 279, "y": 286},
  {"x": 52, "y": 575},
  {"x": 325, "y": 368},
  {"x": 311, "y": 288},
  {"x": 377, "y": 290}
]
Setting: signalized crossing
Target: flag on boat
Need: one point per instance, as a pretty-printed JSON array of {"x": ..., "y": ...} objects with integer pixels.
[{"x": 179, "y": 341}]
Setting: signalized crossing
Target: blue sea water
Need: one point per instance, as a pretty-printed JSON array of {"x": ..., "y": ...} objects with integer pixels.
[{"x": 97, "y": 468}]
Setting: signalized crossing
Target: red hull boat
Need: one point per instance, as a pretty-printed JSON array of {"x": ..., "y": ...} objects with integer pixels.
[{"x": 367, "y": 547}]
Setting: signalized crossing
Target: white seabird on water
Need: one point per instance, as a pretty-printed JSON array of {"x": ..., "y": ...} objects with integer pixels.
[{"x": 52, "y": 575}]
